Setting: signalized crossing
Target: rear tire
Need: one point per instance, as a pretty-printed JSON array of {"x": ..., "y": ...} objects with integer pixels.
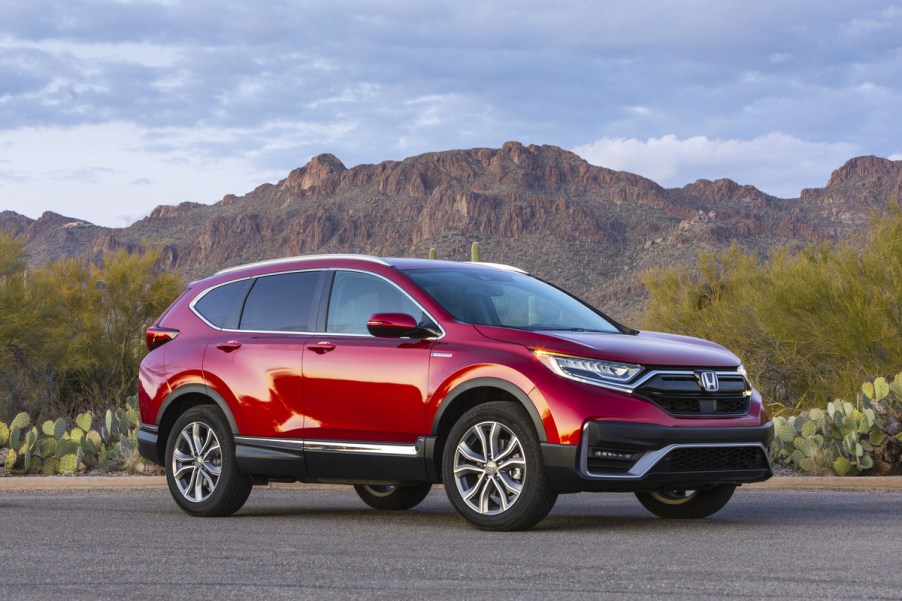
[
  {"x": 493, "y": 470},
  {"x": 392, "y": 498},
  {"x": 686, "y": 504},
  {"x": 200, "y": 464}
]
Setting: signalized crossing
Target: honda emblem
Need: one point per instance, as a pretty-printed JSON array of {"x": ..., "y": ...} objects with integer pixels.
[{"x": 708, "y": 381}]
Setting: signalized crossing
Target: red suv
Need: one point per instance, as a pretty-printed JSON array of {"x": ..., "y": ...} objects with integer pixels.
[{"x": 396, "y": 374}]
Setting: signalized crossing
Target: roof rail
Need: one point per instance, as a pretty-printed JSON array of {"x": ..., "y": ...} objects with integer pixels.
[
  {"x": 504, "y": 267},
  {"x": 303, "y": 258}
]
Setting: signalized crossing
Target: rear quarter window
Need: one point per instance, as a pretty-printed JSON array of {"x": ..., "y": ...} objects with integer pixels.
[{"x": 221, "y": 306}]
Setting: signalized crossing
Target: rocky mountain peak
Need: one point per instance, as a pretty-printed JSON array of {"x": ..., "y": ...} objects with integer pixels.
[
  {"x": 314, "y": 173},
  {"x": 871, "y": 168},
  {"x": 590, "y": 229}
]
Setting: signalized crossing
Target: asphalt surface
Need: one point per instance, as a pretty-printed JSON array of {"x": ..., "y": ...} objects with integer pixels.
[{"x": 322, "y": 542}]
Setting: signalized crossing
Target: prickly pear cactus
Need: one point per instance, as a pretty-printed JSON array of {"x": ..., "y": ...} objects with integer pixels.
[
  {"x": 59, "y": 428},
  {"x": 47, "y": 428},
  {"x": 47, "y": 447},
  {"x": 92, "y": 442},
  {"x": 4, "y": 434},
  {"x": 108, "y": 423},
  {"x": 133, "y": 419},
  {"x": 68, "y": 463},
  {"x": 84, "y": 421},
  {"x": 65, "y": 447},
  {"x": 21, "y": 421},
  {"x": 50, "y": 467},
  {"x": 15, "y": 438},
  {"x": 9, "y": 460},
  {"x": 76, "y": 434}
]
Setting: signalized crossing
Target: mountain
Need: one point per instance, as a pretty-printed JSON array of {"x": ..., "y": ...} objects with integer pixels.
[{"x": 589, "y": 229}]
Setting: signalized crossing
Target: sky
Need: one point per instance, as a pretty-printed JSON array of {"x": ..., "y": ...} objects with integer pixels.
[{"x": 109, "y": 108}]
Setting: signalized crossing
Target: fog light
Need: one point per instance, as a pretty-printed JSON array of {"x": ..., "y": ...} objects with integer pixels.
[{"x": 612, "y": 455}]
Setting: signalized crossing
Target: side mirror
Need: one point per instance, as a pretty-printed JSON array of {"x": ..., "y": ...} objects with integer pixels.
[{"x": 397, "y": 325}]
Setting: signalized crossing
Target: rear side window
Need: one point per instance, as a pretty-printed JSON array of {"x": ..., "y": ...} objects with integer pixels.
[
  {"x": 221, "y": 306},
  {"x": 281, "y": 303}
]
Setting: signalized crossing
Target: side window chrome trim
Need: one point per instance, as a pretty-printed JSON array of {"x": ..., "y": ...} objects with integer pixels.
[{"x": 323, "y": 269}]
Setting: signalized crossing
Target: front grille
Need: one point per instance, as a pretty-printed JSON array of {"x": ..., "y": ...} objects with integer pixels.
[
  {"x": 698, "y": 459},
  {"x": 679, "y": 394}
]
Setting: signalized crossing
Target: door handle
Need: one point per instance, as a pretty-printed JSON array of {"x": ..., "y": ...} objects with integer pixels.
[
  {"x": 228, "y": 347},
  {"x": 323, "y": 346}
]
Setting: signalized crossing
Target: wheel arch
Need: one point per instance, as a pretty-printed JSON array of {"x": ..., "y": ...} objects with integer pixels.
[
  {"x": 473, "y": 393},
  {"x": 180, "y": 400}
]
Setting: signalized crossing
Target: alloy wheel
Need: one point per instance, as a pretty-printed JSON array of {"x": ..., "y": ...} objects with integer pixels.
[
  {"x": 489, "y": 468},
  {"x": 674, "y": 496},
  {"x": 197, "y": 462}
]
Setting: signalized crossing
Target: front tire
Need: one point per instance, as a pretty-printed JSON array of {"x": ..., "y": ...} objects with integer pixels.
[
  {"x": 493, "y": 471},
  {"x": 681, "y": 504},
  {"x": 392, "y": 498},
  {"x": 200, "y": 464}
]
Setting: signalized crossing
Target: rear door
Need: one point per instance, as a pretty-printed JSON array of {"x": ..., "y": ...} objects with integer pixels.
[{"x": 256, "y": 362}]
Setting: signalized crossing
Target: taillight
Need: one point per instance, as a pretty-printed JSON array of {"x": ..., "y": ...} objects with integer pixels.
[{"x": 155, "y": 336}]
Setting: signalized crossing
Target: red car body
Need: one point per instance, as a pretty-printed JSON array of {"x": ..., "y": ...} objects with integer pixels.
[{"x": 321, "y": 405}]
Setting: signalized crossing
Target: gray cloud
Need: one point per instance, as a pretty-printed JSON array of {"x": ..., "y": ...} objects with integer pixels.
[{"x": 281, "y": 81}]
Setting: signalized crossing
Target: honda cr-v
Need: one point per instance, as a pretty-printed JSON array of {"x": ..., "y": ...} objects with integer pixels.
[{"x": 392, "y": 375}]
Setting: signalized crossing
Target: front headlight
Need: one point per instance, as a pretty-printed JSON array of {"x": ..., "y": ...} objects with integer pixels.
[{"x": 591, "y": 371}]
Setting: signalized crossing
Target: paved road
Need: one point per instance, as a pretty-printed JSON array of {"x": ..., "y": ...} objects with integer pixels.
[{"x": 324, "y": 543}]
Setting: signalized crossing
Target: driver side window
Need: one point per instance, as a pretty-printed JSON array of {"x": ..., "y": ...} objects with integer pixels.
[{"x": 356, "y": 296}]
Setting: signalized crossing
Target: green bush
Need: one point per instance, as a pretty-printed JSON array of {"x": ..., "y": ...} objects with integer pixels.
[
  {"x": 805, "y": 324},
  {"x": 71, "y": 332}
]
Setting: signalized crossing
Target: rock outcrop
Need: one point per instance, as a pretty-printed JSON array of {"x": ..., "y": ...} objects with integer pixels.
[{"x": 590, "y": 229}]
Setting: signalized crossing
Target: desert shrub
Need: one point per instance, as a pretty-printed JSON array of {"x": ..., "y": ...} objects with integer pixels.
[
  {"x": 805, "y": 324},
  {"x": 71, "y": 332}
]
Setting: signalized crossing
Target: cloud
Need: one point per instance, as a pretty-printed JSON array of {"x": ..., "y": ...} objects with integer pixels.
[
  {"x": 263, "y": 90},
  {"x": 776, "y": 163},
  {"x": 44, "y": 172}
]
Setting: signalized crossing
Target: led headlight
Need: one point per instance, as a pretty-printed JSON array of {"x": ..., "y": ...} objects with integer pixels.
[{"x": 591, "y": 371}]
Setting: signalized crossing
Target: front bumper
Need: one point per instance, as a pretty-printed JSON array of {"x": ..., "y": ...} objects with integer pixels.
[{"x": 626, "y": 456}]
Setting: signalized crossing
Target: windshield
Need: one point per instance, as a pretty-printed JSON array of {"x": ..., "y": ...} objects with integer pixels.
[{"x": 494, "y": 297}]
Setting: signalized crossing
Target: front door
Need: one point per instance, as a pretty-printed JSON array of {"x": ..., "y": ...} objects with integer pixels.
[{"x": 359, "y": 388}]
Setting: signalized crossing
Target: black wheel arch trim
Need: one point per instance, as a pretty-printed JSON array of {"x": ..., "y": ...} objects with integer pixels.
[
  {"x": 504, "y": 385},
  {"x": 203, "y": 390}
]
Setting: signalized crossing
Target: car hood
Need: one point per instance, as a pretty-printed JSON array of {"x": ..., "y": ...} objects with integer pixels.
[{"x": 644, "y": 348}]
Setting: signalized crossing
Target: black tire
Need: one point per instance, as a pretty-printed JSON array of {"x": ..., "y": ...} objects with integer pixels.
[
  {"x": 686, "y": 505},
  {"x": 393, "y": 498},
  {"x": 507, "y": 489},
  {"x": 215, "y": 496}
]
